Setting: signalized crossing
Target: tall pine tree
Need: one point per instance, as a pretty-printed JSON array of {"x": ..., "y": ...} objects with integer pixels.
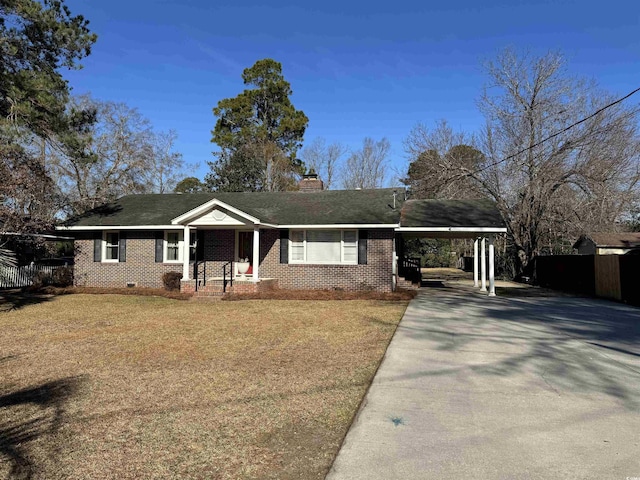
[{"x": 259, "y": 133}]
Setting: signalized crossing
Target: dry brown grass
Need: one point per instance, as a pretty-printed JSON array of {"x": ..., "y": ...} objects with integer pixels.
[{"x": 109, "y": 386}]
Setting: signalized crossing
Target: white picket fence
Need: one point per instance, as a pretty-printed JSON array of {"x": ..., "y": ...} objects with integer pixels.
[{"x": 15, "y": 277}]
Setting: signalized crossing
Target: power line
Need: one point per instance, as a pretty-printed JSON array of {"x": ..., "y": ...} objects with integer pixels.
[{"x": 560, "y": 132}]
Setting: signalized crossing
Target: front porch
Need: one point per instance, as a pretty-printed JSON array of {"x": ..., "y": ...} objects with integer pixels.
[
  {"x": 220, "y": 250},
  {"x": 222, "y": 260}
]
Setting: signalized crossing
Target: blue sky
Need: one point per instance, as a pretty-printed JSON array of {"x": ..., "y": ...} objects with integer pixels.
[{"x": 356, "y": 68}]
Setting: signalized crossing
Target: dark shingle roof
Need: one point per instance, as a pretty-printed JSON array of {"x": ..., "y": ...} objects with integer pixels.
[
  {"x": 451, "y": 213},
  {"x": 280, "y": 208},
  {"x": 329, "y": 207}
]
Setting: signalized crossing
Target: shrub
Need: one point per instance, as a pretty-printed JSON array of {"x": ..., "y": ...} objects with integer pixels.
[
  {"x": 41, "y": 279},
  {"x": 171, "y": 281},
  {"x": 63, "y": 277}
]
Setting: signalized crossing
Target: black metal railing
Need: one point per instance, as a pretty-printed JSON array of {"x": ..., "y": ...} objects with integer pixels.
[
  {"x": 410, "y": 269},
  {"x": 196, "y": 273},
  {"x": 224, "y": 276}
]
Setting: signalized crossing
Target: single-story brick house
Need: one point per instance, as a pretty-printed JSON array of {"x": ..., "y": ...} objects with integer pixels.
[
  {"x": 608, "y": 243},
  {"x": 307, "y": 239}
]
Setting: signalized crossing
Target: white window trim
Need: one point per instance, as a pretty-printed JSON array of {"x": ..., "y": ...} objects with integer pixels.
[
  {"x": 304, "y": 243},
  {"x": 165, "y": 245},
  {"x": 104, "y": 247}
]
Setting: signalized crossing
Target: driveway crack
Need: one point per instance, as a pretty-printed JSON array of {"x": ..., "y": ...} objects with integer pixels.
[{"x": 542, "y": 375}]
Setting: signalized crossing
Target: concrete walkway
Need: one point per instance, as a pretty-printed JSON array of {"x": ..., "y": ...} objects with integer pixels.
[{"x": 474, "y": 387}]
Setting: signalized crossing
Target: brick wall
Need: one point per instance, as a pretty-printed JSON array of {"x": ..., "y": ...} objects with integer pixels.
[
  {"x": 139, "y": 268},
  {"x": 376, "y": 275},
  {"x": 219, "y": 248}
]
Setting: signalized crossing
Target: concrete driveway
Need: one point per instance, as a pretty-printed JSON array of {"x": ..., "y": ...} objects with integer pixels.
[{"x": 474, "y": 387}]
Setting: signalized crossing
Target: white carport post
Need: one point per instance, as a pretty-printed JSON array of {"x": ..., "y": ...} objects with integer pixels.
[
  {"x": 483, "y": 266},
  {"x": 256, "y": 252},
  {"x": 185, "y": 252},
  {"x": 492, "y": 281},
  {"x": 475, "y": 263}
]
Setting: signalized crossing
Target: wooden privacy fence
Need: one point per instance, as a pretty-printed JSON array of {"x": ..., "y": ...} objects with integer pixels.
[
  {"x": 16, "y": 277},
  {"x": 571, "y": 273},
  {"x": 608, "y": 276}
]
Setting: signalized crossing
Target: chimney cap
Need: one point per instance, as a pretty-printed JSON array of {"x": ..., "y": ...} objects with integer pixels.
[{"x": 310, "y": 175}]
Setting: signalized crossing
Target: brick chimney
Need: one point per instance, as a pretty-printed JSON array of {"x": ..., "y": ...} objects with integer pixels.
[{"x": 311, "y": 183}]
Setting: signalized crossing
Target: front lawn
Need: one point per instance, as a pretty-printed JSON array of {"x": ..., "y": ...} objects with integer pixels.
[{"x": 108, "y": 386}]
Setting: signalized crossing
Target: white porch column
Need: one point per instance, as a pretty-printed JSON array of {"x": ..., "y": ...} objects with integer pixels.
[
  {"x": 394, "y": 267},
  {"x": 483, "y": 265},
  {"x": 256, "y": 252},
  {"x": 185, "y": 252},
  {"x": 475, "y": 263},
  {"x": 492, "y": 281}
]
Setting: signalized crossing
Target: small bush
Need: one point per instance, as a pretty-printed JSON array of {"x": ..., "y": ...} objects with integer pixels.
[
  {"x": 62, "y": 277},
  {"x": 171, "y": 281},
  {"x": 42, "y": 279}
]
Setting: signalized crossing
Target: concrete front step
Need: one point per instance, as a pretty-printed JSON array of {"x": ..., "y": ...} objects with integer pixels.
[
  {"x": 407, "y": 284},
  {"x": 211, "y": 290}
]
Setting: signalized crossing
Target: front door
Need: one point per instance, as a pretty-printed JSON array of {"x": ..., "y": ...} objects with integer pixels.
[{"x": 245, "y": 246}]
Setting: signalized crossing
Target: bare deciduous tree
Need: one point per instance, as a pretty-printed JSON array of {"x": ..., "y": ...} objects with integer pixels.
[
  {"x": 122, "y": 156},
  {"x": 437, "y": 157},
  {"x": 324, "y": 159},
  {"x": 551, "y": 182},
  {"x": 166, "y": 166},
  {"x": 366, "y": 168}
]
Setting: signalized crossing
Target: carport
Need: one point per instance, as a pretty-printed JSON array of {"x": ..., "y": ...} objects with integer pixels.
[{"x": 477, "y": 219}]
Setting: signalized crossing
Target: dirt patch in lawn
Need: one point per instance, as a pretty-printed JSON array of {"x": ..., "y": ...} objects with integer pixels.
[{"x": 109, "y": 386}]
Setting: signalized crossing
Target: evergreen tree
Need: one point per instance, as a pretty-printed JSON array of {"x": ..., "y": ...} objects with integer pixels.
[{"x": 259, "y": 133}]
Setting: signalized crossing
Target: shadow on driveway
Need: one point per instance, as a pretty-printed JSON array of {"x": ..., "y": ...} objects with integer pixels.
[
  {"x": 493, "y": 387},
  {"x": 578, "y": 344}
]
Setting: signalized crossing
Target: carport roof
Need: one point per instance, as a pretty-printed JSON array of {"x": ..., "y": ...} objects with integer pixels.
[{"x": 478, "y": 213}]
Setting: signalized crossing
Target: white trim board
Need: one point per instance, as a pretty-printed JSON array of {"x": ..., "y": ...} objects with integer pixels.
[
  {"x": 118, "y": 227},
  {"x": 298, "y": 226},
  {"x": 339, "y": 226},
  {"x": 453, "y": 229}
]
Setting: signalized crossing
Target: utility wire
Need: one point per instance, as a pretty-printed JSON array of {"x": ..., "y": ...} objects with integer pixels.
[{"x": 560, "y": 132}]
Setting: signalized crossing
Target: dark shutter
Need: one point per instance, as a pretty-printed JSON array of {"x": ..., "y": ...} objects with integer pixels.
[
  {"x": 284, "y": 246},
  {"x": 200, "y": 245},
  {"x": 122, "y": 247},
  {"x": 159, "y": 246},
  {"x": 97, "y": 246},
  {"x": 362, "y": 247}
]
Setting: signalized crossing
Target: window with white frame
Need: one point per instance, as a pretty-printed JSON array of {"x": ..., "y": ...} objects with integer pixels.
[
  {"x": 111, "y": 250},
  {"x": 323, "y": 246},
  {"x": 173, "y": 246}
]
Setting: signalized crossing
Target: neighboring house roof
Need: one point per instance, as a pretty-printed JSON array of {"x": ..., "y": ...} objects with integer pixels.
[
  {"x": 612, "y": 240},
  {"x": 328, "y": 207}
]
